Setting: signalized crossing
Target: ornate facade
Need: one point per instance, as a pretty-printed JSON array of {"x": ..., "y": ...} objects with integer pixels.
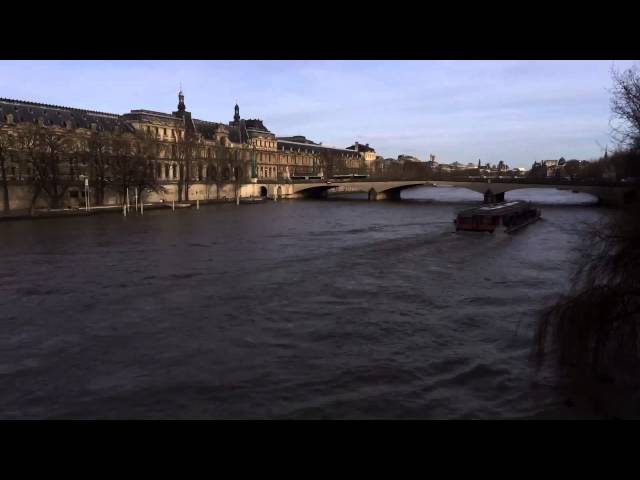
[{"x": 252, "y": 153}]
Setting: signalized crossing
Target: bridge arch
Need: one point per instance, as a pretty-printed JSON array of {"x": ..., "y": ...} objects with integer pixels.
[
  {"x": 313, "y": 190},
  {"x": 372, "y": 194},
  {"x": 553, "y": 196},
  {"x": 391, "y": 190},
  {"x": 611, "y": 195}
]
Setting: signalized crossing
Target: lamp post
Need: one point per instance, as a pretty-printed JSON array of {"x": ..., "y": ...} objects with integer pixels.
[
  {"x": 254, "y": 166},
  {"x": 85, "y": 180}
]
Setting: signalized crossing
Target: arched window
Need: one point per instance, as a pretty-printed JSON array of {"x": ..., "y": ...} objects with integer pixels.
[{"x": 166, "y": 170}]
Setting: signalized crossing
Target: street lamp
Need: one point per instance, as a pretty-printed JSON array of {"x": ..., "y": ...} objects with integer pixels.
[{"x": 85, "y": 180}]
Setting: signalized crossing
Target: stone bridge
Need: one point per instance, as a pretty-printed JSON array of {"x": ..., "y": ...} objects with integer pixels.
[
  {"x": 494, "y": 191},
  {"x": 618, "y": 194},
  {"x": 375, "y": 190}
]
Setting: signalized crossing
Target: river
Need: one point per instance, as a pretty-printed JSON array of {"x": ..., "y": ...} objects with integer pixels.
[{"x": 338, "y": 308}]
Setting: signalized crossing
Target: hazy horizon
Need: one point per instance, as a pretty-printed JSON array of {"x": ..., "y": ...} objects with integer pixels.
[{"x": 514, "y": 111}]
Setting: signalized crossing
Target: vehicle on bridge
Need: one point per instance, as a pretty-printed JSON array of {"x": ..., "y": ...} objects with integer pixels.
[
  {"x": 305, "y": 177},
  {"x": 350, "y": 176},
  {"x": 505, "y": 217}
]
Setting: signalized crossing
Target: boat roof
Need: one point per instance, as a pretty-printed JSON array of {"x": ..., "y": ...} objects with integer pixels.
[{"x": 496, "y": 208}]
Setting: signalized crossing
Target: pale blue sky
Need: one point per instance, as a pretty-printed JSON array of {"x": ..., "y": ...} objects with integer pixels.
[{"x": 515, "y": 111}]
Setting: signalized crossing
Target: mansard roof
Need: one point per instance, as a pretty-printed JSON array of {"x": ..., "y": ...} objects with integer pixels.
[
  {"x": 150, "y": 113},
  {"x": 297, "y": 139},
  {"x": 361, "y": 148},
  {"x": 30, "y": 112},
  {"x": 255, "y": 124},
  {"x": 238, "y": 132},
  {"x": 314, "y": 147},
  {"x": 207, "y": 129}
]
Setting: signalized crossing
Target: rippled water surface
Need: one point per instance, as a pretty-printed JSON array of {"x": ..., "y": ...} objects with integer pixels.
[{"x": 297, "y": 309}]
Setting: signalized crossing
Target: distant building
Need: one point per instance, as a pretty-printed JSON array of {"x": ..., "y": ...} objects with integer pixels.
[
  {"x": 366, "y": 152},
  {"x": 407, "y": 158},
  {"x": 547, "y": 168}
]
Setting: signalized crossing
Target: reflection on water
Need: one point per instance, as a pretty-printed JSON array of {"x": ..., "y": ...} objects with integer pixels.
[{"x": 312, "y": 309}]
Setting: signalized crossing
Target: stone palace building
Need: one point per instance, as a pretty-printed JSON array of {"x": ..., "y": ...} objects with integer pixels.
[{"x": 252, "y": 153}]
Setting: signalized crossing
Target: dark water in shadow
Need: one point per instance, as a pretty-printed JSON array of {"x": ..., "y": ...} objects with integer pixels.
[{"x": 294, "y": 309}]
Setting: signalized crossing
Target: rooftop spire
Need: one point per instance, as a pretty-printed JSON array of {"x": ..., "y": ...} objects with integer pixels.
[{"x": 181, "y": 107}]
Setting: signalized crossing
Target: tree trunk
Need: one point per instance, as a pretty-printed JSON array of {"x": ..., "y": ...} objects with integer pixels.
[
  {"x": 180, "y": 191},
  {"x": 187, "y": 180},
  {"x": 5, "y": 187},
  {"x": 36, "y": 194},
  {"x": 100, "y": 186},
  {"x": 54, "y": 201}
]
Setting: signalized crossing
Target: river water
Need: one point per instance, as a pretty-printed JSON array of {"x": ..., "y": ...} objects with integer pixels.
[{"x": 338, "y": 308}]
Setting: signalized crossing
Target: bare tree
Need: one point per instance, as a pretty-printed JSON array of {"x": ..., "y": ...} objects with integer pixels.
[
  {"x": 625, "y": 106},
  {"x": 239, "y": 171},
  {"x": 47, "y": 150},
  {"x": 7, "y": 150},
  {"x": 145, "y": 151},
  {"x": 331, "y": 163},
  {"x": 593, "y": 332},
  {"x": 131, "y": 162},
  {"x": 221, "y": 170},
  {"x": 98, "y": 163},
  {"x": 185, "y": 150}
]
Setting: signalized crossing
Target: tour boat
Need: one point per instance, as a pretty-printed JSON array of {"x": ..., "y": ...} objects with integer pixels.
[{"x": 504, "y": 217}]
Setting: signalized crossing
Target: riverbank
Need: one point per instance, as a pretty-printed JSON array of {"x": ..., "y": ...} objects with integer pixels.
[{"x": 98, "y": 210}]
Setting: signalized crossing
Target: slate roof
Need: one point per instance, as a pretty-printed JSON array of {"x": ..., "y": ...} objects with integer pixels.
[
  {"x": 57, "y": 115},
  {"x": 361, "y": 148},
  {"x": 207, "y": 129},
  {"x": 297, "y": 139},
  {"x": 315, "y": 148}
]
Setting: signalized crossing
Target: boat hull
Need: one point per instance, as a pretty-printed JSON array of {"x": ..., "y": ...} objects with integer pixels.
[{"x": 506, "y": 217}]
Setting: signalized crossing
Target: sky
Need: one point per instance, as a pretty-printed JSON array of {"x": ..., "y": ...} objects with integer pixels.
[{"x": 514, "y": 111}]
